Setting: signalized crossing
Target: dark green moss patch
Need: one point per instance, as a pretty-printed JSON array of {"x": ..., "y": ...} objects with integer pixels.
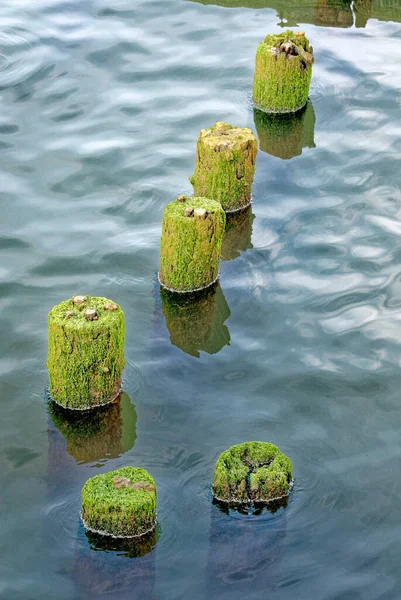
[
  {"x": 254, "y": 472},
  {"x": 100, "y": 434},
  {"x": 192, "y": 234},
  {"x": 120, "y": 503},
  {"x": 196, "y": 322},
  {"x": 86, "y": 352},
  {"x": 225, "y": 165},
  {"x": 283, "y": 71}
]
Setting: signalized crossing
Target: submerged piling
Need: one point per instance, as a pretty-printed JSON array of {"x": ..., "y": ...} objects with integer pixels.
[
  {"x": 86, "y": 352},
  {"x": 283, "y": 71},
  {"x": 192, "y": 234},
  {"x": 225, "y": 165},
  {"x": 252, "y": 472},
  {"x": 120, "y": 503}
]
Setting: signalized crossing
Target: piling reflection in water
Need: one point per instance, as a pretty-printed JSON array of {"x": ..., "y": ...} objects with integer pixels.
[
  {"x": 324, "y": 13},
  {"x": 286, "y": 135},
  {"x": 99, "y": 434},
  {"x": 238, "y": 234},
  {"x": 245, "y": 551},
  {"x": 196, "y": 322}
]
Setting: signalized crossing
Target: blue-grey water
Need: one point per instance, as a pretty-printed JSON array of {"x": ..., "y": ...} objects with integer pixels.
[{"x": 101, "y": 104}]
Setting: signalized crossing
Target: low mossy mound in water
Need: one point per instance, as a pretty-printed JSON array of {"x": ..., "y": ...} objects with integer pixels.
[
  {"x": 192, "y": 234},
  {"x": 86, "y": 352},
  {"x": 286, "y": 135},
  {"x": 120, "y": 503},
  {"x": 252, "y": 472},
  {"x": 283, "y": 71},
  {"x": 94, "y": 435},
  {"x": 225, "y": 165},
  {"x": 196, "y": 322}
]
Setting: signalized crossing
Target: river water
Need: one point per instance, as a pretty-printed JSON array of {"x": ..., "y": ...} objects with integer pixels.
[{"x": 102, "y": 102}]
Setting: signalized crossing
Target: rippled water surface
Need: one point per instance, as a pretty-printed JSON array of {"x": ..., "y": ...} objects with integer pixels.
[{"x": 102, "y": 102}]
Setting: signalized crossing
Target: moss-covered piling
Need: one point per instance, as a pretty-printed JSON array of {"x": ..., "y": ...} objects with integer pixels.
[
  {"x": 120, "y": 503},
  {"x": 283, "y": 70},
  {"x": 86, "y": 352},
  {"x": 225, "y": 165},
  {"x": 254, "y": 472},
  {"x": 192, "y": 233},
  {"x": 286, "y": 135},
  {"x": 196, "y": 323},
  {"x": 99, "y": 434}
]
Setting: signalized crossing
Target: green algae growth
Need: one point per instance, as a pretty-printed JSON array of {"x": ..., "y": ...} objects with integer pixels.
[
  {"x": 283, "y": 71},
  {"x": 120, "y": 503},
  {"x": 225, "y": 165},
  {"x": 86, "y": 352},
  {"x": 252, "y": 472},
  {"x": 192, "y": 233}
]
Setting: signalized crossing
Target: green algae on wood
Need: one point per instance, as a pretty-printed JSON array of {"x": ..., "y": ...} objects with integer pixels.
[
  {"x": 286, "y": 135},
  {"x": 120, "y": 503},
  {"x": 238, "y": 234},
  {"x": 225, "y": 165},
  {"x": 252, "y": 472},
  {"x": 86, "y": 352},
  {"x": 99, "y": 434},
  {"x": 196, "y": 322},
  {"x": 192, "y": 233},
  {"x": 283, "y": 71}
]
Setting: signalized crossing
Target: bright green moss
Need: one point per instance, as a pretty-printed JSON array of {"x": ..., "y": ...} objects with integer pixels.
[
  {"x": 238, "y": 234},
  {"x": 102, "y": 433},
  {"x": 85, "y": 357},
  {"x": 252, "y": 472},
  {"x": 121, "y": 503},
  {"x": 282, "y": 76},
  {"x": 191, "y": 245},
  {"x": 225, "y": 165},
  {"x": 196, "y": 322},
  {"x": 285, "y": 135}
]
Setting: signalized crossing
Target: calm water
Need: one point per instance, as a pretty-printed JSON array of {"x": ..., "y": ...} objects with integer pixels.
[{"x": 102, "y": 101}]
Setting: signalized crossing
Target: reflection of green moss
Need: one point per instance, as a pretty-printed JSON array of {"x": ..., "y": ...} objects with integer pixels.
[
  {"x": 117, "y": 509},
  {"x": 282, "y": 79},
  {"x": 383, "y": 10},
  {"x": 196, "y": 323},
  {"x": 129, "y": 547},
  {"x": 238, "y": 234},
  {"x": 192, "y": 233},
  {"x": 326, "y": 13},
  {"x": 225, "y": 165},
  {"x": 285, "y": 136},
  {"x": 86, "y": 356},
  {"x": 105, "y": 432},
  {"x": 252, "y": 472}
]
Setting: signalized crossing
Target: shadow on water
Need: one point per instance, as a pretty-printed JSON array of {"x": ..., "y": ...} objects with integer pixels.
[
  {"x": 97, "y": 435},
  {"x": 196, "y": 322},
  {"x": 238, "y": 234},
  {"x": 245, "y": 551},
  {"x": 324, "y": 13},
  {"x": 285, "y": 136}
]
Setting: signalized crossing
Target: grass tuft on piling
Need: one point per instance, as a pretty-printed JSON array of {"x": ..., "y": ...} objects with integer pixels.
[
  {"x": 283, "y": 71},
  {"x": 225, "y": 165},
  {"x": 85, "y": 352},
  {"x": 252, "y": 472},
  {"x": 120, "y": 503},
  {"x": 192, "y": 234}
]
